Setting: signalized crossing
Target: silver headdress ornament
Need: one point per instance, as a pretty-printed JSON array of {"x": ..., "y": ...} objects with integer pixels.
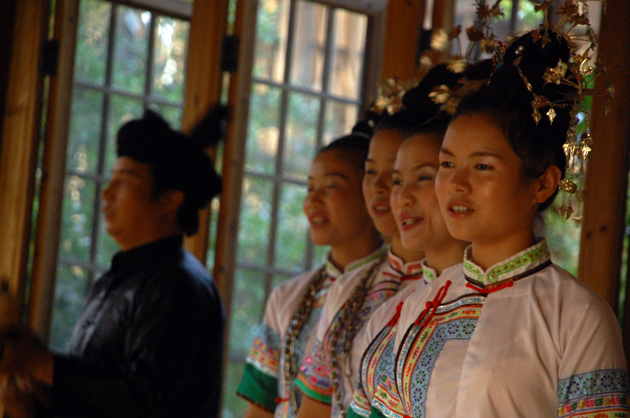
[{"x": 579, "y": 73}]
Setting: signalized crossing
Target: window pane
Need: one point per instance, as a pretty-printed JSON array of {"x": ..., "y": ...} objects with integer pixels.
[
  {"x": 70, "y": 289},
  {"x": 465, "y": 16},
  {"x": 106, "y": 246},
  {"x": 85, "y": 130},
  {"x": 280, "y": 278},
  {"x": 528, "y": 18},
  {"x": 271, "y": 39},
  {"x": 169, "y": 67},
  {"x": 309, "y": 45},
  {"x": 563, "y": 238},
  {"x": 77, "y": 219},
  {"x": 92, "y": 39},
  {"x": 214, "y": 215},
  {"x": 301, "y": 135},
  {"x": 292, "y": 229},
  {"x": 347, "y": 55},
  {"x": 173, "y": 115},
  {"x": 340, "y": 118},
  {"x": 121, "y": 109},
  {"x": 319, "y": 254},
  {"x": 263, "y": 131},
  {"x": 246, "y": 314},
  {"x": 254, "y": 222},
  {"x": 248, "y": 301},
  {"x": 233, "y": 406},
  {"x": 130, "y": 49}
]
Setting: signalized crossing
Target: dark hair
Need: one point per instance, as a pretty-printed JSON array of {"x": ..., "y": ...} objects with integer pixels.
[
  {"x": 435, "y": 126},
  {"x": 507, "y": 102},
  {"x": 177, "y": 161},
  {"x": 355, "y": 146}
]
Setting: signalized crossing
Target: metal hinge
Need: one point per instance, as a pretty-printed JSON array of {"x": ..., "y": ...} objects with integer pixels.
[
  {"x": 50, "y": 57},
  {"x": 229, "y": 53}
]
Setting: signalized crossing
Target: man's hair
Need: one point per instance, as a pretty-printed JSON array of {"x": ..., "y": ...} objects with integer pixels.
[{"x": 177, "y": 161}]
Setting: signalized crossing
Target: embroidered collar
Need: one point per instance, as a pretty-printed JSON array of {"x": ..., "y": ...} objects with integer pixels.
[
  {"x": 518, "y": 265},
  {"x": 430, "y": 275},
  {"x": 410, "y": 270},
  {"x": 334, "y": 272}
]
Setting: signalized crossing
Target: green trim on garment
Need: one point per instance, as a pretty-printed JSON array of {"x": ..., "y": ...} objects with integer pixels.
[
  {"x": 319, "y": 397},
  {"x": 258, "y": 388}
]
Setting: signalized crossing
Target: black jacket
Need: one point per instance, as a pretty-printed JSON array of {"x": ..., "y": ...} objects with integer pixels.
[{"x": 148, "y": 341}]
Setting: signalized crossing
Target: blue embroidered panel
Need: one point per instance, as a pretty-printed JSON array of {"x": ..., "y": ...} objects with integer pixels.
[
  {"x": 385, "y": 377},
  {"x": 593, "y": 383},
  {"x": 602, "y": 393}
]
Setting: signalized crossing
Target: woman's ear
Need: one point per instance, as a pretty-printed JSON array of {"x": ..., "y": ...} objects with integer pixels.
[{"x": 548, "y": 183}]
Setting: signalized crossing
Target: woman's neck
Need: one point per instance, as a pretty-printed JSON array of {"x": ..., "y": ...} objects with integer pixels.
[
  {"x": 343, "y": 255},
  {"x": 446, "y": 256},
  {"x": 403, "y": 253}
]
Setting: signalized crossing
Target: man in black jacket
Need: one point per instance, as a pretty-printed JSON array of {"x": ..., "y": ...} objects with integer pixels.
[{"x": 148, "y": 341}]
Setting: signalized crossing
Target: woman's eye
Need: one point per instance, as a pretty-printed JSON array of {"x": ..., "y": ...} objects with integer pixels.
[
  {"x": 397, "y": 182},
  {"x": 369, "y": 171},
  {"x": 483, "y": 167},
  {"x": 446, "y": 164},
  {"x": 425, "y": 178}
]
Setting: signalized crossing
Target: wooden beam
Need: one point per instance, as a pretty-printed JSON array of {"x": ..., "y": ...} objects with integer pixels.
[
  {"x": 42, "y": 293},
  {"x": 203, "y": 86},
  {"x": 607, "y": 174},
  {"x": 20, "y": 135},
  {"x": 234, "y": 151},
  {"x": 443, "y": 14},
  {"x": 404, "y": 20}
]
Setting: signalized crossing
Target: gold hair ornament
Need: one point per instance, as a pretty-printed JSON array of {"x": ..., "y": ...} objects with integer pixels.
[
  {"x": 479, "y": 33},
  {"x": 389, "y": 95},
  {"x": 579, "y": 73}
]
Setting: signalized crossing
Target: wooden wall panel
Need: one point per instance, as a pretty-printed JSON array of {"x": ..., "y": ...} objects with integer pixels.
[
  {"x": 7, "y": 21},
  {"x": 404, "y": 20},
  {"x": 234, "y": 151},
  {"x": 606, "y": 179},
  {"x": 41, "y": 298},
  {"x": 20, "y": 134}
]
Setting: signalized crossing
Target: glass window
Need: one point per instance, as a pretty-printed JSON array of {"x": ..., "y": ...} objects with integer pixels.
[
  {"x": 306, "y": 91},
  {"x": 127, "y": 60}
]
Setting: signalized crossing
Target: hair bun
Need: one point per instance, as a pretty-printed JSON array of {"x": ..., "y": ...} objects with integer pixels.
[
  {"x": 366, "y": 125},
  {"x": 212, "y": 128},
  {"x": 529, "y": 58}
]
